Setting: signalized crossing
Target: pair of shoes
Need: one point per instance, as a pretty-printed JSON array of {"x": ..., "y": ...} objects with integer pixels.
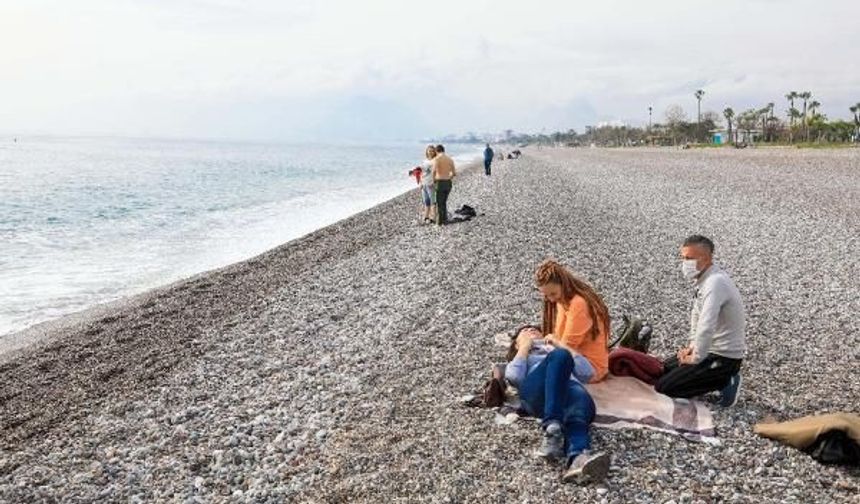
[
  {"x": 730, "y": 393},
  {"x": 587, "y": 468},
  {"x": 552, "y": 445}
]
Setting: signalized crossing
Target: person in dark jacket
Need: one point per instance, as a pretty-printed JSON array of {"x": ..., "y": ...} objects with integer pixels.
[{"x": 488, "y": 159}]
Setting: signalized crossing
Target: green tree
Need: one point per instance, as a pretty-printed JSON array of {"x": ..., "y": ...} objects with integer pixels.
[
  {"x": 729, "y": 114},
  {"x": 792, "y": 113},
  {"x": 805, "y": 96},
  {"x": 676, "y": 118},
  {"x": 748, "y": 121},
  {"x": 762, "y": 115},
  {"x": 771, "y": 120},
  {"x": 855, "y": 109}
]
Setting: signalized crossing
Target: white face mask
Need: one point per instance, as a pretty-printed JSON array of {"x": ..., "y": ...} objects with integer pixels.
[{"x": 688, "y": 268}]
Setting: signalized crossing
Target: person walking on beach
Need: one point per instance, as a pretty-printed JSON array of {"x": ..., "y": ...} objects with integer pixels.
[
  {"x": 443, "y": 171},
  {"x": 712, "y": 359},
  {"x": 427, "y": 187},
  {"x": 488, "y": 160}
]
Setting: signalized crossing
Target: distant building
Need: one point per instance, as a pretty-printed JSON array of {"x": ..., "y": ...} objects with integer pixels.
[{"x": 720, "y": 136}]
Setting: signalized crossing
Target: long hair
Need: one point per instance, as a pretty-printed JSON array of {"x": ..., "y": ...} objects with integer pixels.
[
  {"x": 428, "y": 150},
  {"x": 550, "y": 271}
]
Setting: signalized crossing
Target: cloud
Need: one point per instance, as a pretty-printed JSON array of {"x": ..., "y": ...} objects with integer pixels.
[{"x": 214, "y": 68}]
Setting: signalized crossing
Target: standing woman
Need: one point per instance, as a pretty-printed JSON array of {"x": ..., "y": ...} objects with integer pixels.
[{"x": 427, "y": 186}]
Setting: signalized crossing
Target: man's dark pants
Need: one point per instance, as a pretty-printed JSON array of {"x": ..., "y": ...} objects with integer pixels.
[
  {"x": 487, "y": 163},
  {"x": 690, "y": 380},
  {"x": 443, "y": 189}
]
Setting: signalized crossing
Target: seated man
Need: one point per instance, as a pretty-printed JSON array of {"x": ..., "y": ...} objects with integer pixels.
[{"x": 712, "y": 360}]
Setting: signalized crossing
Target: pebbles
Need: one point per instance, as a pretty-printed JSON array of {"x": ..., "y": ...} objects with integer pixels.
[{"x": 329, "y": 369}]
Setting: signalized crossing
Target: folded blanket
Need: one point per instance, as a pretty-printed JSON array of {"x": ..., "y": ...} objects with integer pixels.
[
  {"x": 623, "y": 402},
  {"x": 627, "y": 362}
]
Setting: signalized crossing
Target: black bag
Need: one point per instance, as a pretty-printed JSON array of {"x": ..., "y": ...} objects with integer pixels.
[
  {"x": 835, "y": 447},
  {"x": 466, "y": 211}
]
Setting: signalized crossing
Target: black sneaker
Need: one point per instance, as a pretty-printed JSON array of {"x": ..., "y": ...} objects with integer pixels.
[{"x": 730, "y": 393}]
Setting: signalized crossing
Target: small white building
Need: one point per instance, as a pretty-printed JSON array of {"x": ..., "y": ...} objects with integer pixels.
[{"x": 720, "y": 136}]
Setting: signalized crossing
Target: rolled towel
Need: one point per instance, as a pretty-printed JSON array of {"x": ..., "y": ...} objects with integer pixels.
[{"x": 627, "y": 362}]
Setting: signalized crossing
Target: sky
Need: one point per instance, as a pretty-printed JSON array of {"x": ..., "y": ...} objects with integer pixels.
[{"x": 386, "y": 70}]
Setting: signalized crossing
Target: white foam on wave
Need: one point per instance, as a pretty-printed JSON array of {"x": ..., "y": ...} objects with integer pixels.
[
  {"x": 103, "y": 274},
  {"x": 96, "y": 271}
]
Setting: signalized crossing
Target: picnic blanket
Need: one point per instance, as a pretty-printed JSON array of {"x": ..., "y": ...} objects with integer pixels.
[{"x": 623, "y": 402}]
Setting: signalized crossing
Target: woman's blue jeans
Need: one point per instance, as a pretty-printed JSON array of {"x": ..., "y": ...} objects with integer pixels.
[{"x": 549, "y": 393}]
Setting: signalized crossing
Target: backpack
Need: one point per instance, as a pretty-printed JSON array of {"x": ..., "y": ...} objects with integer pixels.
[
  {"x": 492, "y": 394},
  {"x": 635, "y": 334}
]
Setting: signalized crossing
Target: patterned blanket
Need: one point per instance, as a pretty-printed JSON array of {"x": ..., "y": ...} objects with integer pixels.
[{"x": 623, "y": 402}]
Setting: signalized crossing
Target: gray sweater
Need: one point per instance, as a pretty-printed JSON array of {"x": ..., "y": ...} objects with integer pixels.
[{"x": 717, "y": 321}]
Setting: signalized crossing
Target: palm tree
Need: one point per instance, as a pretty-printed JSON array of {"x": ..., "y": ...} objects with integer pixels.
[
  {"x": 794, "y": 114},
  {"x": 729, "y": 115},
  {"x": 699, "y": 94},
  {"x": 770, "y": 119},
  {"x": 762, "y": 115},
  {"x": 805, "y": 95},
  {"x": 856, "y": 111},
  {"x": 791, "y": 96}
]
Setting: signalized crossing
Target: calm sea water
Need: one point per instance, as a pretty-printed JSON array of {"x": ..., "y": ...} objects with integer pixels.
[{"x": 85, "y": 221}]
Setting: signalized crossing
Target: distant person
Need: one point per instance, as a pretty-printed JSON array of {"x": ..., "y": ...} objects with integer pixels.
[
  {"x": 427, "y": 187},
  {"x": 443, "y": 171},
  {"x": 712, "y": 359},
  {"x": 488, "y": 160}
]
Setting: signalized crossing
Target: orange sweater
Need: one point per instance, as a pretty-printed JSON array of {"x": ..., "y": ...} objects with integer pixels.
[{"x": 573, "y": 327}]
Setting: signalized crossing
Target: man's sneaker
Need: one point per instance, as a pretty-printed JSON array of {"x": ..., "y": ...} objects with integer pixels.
[
  {"x": 587, "y": 468},
  {"x": 552, "y": 445},
  {"x": 730, "y": 393}
]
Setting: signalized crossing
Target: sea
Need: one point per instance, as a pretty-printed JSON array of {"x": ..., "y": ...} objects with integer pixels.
[{"x": 84, "y": 221}]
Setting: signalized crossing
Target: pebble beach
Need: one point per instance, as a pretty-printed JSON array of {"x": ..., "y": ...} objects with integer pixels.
[{"x": 330, "y": 369}]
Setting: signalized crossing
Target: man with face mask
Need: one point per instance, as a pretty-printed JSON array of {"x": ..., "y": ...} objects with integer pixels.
[{"x": 712, "y": 360}]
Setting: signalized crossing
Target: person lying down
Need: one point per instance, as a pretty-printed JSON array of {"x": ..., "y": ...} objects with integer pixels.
[{"x": 549, "y": 378}]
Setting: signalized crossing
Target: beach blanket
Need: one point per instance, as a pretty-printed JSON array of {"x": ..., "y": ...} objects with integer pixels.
[
  {"x": 627, "y": 362},
  {"x": 623, "y": 402}
]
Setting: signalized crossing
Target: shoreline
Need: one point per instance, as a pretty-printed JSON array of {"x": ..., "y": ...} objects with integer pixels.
[
  {"x": 328, "y": 369},
  {"x": 16, "y": 342}
]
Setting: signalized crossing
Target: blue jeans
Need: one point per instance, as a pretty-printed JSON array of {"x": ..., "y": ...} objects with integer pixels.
[
  {"x": 427, "y": 195},
  {"x": 550, "y": 394}
]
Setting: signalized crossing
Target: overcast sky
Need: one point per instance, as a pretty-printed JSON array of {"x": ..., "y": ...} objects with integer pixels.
[{"x": 297, "y": 70}]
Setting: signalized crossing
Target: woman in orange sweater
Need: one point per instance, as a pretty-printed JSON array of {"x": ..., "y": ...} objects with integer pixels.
[
  {"x": 576, "y": 323},
  {"x": 574, "y": 316}
]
